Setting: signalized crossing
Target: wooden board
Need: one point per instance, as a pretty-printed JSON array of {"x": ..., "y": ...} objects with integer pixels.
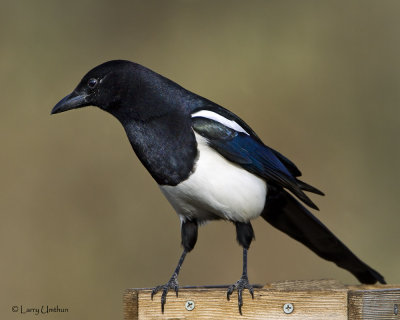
[{"x": 317, "y": 299}]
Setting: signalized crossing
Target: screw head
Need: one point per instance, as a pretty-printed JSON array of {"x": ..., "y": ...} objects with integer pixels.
[
  {"x": 288, "y": 308},
  {"x": 189, "y": 305}
]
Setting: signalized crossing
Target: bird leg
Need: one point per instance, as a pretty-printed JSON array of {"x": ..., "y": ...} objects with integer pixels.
[
  {"x": 171, "y": 284},
  {"x": 244, "y": 235},
  {"x": 189, "y": 230},
  {"x": 241, "y": 284}
]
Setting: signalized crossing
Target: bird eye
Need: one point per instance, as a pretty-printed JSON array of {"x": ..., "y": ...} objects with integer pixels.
[{"x": 92, "y": 83}]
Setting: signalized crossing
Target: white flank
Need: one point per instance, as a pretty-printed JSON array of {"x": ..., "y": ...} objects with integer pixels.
[
  {"x": 217, "y": 189},
  {"x": 217, "y": 117}
]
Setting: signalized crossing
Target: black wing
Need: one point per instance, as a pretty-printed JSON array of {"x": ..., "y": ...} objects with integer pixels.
[{"x": 250, "y": 153}]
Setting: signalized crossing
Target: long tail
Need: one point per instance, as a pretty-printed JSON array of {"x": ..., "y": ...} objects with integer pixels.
[{"x": 287, "y": 214}]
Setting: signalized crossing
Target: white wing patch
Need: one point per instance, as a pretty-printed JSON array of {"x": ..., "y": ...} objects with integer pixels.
[{"x": 217, "y": 117}]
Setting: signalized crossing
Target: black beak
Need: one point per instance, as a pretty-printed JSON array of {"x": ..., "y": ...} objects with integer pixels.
[{"x": 71, "y": 101}]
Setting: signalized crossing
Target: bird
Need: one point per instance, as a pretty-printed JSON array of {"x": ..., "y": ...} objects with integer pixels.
[{"x": 210, "y": 165}]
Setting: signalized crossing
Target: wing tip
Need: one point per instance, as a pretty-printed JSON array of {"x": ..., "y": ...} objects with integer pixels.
[{"x": 307, "y": 187}]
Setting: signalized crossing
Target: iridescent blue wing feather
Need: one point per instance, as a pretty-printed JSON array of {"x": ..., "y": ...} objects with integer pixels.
[{"x": 251, "y": 154}]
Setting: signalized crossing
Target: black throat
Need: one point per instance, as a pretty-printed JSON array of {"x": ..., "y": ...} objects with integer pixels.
[
  {"x": 166, "y": 146},
  {"x": 155, "y": 113}
]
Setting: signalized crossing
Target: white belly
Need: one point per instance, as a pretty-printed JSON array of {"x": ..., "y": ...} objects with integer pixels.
[{"x": 218, "y": 189}]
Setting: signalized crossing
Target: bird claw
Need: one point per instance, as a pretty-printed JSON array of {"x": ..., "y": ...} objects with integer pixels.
[
  {"x": 171, "y": 284},
  {"x": 240, "y": 285}
]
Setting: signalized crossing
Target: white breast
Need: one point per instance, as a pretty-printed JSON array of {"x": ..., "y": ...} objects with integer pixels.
[{"x": 218, "y": 189}]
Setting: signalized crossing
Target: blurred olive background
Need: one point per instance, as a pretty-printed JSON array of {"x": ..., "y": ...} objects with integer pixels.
[{"x": 81, "y": 218}]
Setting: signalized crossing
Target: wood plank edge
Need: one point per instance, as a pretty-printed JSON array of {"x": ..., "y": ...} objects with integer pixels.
[{"x": 131, "y": 304}]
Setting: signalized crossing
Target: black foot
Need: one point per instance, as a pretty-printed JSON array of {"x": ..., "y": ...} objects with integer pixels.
[
  {"x": 171, "y": 284},
  {"x": 240, "y": 285}
]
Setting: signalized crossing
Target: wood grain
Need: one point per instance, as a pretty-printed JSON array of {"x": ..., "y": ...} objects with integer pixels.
[
  {"x": 317, "y": 299},
  {"x": 382, "y": 304}
]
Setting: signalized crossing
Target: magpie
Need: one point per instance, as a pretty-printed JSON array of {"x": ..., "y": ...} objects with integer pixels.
[{"x": 210, "y": 165}]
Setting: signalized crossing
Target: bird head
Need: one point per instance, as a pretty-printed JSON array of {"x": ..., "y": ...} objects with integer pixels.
[
  {"x": 125, "y": 89},
  {"x": 105, "y": 86}
]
